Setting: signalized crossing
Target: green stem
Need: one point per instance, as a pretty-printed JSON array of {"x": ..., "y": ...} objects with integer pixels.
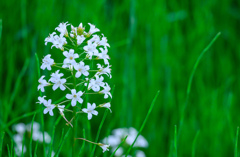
[{"x": 74, "y": 120}]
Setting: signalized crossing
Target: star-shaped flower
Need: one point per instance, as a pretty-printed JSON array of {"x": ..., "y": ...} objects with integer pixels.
[
  {"x": 75, "y": 96},
  {"x": 47, "y": 62},
  {"x": 90, "y": 110},
  {"x": 70, "y": 57},
  {"x": 42, "y": 84},
  {"x": 81, "y": 69},
  {"x": 49, "y": 108}
]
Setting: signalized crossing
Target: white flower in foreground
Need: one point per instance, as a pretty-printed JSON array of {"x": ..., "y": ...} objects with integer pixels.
[
  {"x": 70, "y": 57},
  {"x": 104, "y": 147},
  {"x": 104, "y": 55},
  {"x": 49, "y": 108},
  {"x": 103, "y": 42},
  {"x": 103, "y": 70},
  {"x": 106, "y": 105},
  {"x": 90, "y": 110},
  {"x": 47, "y": 62},
  {"x": 93, "y": 29},
  {"x": 62, "y": 28},
  {"x": 50, "y": 38},
  {"x": 95, "y": 39},
  {"x": 106, "y": 91},
  {"x": 80, "y": 39},
  {"x": 41, "y": 99},
  {"x": 61, "y": 109},
  {"x": 59, "y": 41},
  {"x": 75, "y": 96},
  {"x": 91, "y": 49},
  {"x": 95, "y": 84},
  {"x": 81, "y": 69},
  {"x": 58, "y": 82},
  {"x": 43, "y": 83}
]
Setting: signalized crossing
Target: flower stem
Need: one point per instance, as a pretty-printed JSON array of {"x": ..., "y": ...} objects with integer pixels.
[{"x": 74, "y": 121}]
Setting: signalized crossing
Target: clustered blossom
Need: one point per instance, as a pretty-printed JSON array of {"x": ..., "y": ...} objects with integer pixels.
[
  {"x": 119, "y": 134},
  {"x": 83, "y": 70},
  {"x": 37, "y": 135}
]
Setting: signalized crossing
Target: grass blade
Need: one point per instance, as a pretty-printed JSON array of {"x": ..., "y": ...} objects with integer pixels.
[
  {"x": 194, "y": 143},
  {"x": 2, "y": 136},
  {"x": 50, "y": 147},
  {"x": 175, "y": 141},
  {"x": 144, "y": 122},
  {"x": 98, "y": 133},
  {"x": 35, "y": 151},
  {"x": 119, "y": 146},
  {"x": 191, "y": 77},
  {"x": 236, "y": 144},
  {"x": 62, "y": 141},
  {"x": 83, "y": 144},
  {"x": 30, "y": 144}
]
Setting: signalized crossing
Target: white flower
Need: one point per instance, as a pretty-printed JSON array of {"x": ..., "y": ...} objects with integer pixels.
[
  {"x": 81, "y": 69},
  {"x": 41, "y": 99},
  {"x": 91, "y": 49},
  {"x": 119, "y": 152},
  {"x": 58, "y": 82},
  {"x": 75, "y": 96},
  {"x": 42, "y": 84},
  {"x": 19, "y": 149},
  {"x": 90, "y": 110},
  {"x": 95, "y": 39},
  {"x": 20, "y": 128},
  {"x": 61, "y": 109},
  {"x": 104, "y": 147},
  {"x": 80, "y": 39},
  {"x": 49, "y": 108},
  {"x": 70, "y": 57},
  {"x": 47, "y": 62},
  {"x": 62, "y": 28},
  {"x": 140, "y": 153},
  {"x": 103, "y": 70},
  {"x": 107, "y": 105},
  {"x": 59, "y": 41},
  {"x": 50, "y": 38},
  {"x": 103, "y": 42},
  {"x": 106, "y": 91},
  {"x": 93, "y": 29},
  {"x": 18, "y": 138},
  {"x": 104, "y": 55},
  {"x": 35, "y": 127},
  {"x": 140, "y": 142},
  {"x": 95, "y": 84}
]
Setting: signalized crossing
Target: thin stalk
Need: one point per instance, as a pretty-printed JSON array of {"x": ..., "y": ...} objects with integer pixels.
[
  {"x": 74, "y": 123},
  {"x": 236, "y": 144}
]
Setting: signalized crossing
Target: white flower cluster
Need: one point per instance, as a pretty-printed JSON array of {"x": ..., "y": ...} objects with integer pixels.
[
  {"x": 37, "y": 135},
  {"x": 82, "y": 70},
  {"x": 117, "y": 137}
]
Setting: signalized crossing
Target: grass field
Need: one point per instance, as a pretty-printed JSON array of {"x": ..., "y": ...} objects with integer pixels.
[{"x": 154, "y": 46}]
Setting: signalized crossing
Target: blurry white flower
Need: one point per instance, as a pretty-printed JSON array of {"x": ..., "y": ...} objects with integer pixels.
[
  {"x": 47, "y": 62},
  {"x": 49, "y": 108},
  {"x": 91, "y": 49},
  {"x": 20, "y": 128},
  {"x": 18, "y": 138},
  {"x": 140, "y": 153},
  {"x": 104, "y": 55},
  {"x": 35, "y": 126},
  {"x": 95, "y": 39},
  {"x": 75, "y": 96},
  {"x": 90, "y": 110},
  {"x": 47, "y": 137},
  {"x": 81, "y": 69},
  {"x": 42, "y": 84},
  {"x": 19, "y": 149}
]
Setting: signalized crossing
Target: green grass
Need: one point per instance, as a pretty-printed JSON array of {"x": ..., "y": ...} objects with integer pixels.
[{"x": 154, "y": 46}]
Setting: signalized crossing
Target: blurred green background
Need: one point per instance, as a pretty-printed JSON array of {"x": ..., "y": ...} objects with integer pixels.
[{"x": 154, "y": 46}]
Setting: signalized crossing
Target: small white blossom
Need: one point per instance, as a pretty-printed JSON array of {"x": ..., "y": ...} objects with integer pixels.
[
  {"x": 140, "y": 153},
  {"x": 95, "y": 39},
  {"x": 80, "y": 39},
  {"x": 103, "y": 42},
  {"x": 81, "y": 69},
  {"x": 75, "y": 96},
  {"x": 104, "y": 147},
  {"x": 42, "y": 84},
  {"x": 107, "y": 105},
  {"x": 19, "y": 149},
  {"x": 18, "y": 138},
  {"x": 50, "y": 38},
  {"x": 90, "y": 110},
  {"x": 62, "y": 28},
  {"x": 91, "y": 49},
  {"x": 59, "y": 41},
  {"x": 49, "y": 108},
  {"x": 103, "y": 70},
  {"x": 93, "y": 29},
  {"x": 47, "y": 62},
  {"x": 20, "y": 128},
  {"x": 70, "y": 57},
  {"x": 61, "y": 109},
  {"x": 106, "y": 91},
  {"x": 41, "y": 99},
  {"x": 96, "y": 84},
  {"x": 104, "y": 55},
  {"x": 58, "y": 82}
]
